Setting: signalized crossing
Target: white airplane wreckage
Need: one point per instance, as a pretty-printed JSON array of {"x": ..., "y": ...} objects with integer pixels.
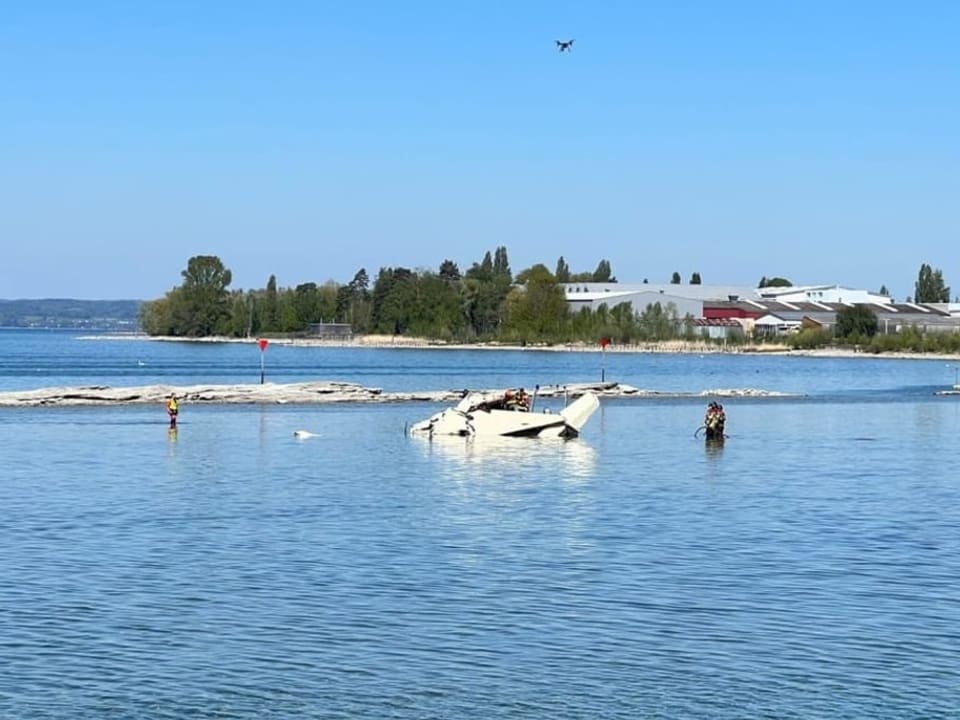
[{"x": 508, "y": 414}]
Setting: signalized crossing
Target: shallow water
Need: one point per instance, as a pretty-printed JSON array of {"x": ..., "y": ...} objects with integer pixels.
[
  {"x": 34, "y": 359},
  {"x": 809, "y": 567}
]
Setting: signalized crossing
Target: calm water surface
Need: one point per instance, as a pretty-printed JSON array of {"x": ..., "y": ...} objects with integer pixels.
[{"x": 809, "y": 568}]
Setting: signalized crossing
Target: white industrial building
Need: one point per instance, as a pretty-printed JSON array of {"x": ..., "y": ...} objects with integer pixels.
[
  {"x": 688, "y": 299},
  {"x": 952, "y": 309},
  {"x": 823, "y": 294},
  {"x": 770, "y": 309}
]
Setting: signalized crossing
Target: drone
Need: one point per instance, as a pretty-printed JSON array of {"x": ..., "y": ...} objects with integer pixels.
[{"x": 564, "y": 45}]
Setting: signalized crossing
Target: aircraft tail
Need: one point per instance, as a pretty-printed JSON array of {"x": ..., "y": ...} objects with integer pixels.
[{"x": 578, "y": 412}]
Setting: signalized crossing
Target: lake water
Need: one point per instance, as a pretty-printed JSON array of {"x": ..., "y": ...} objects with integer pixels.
[{"x": 809, "y": 568}]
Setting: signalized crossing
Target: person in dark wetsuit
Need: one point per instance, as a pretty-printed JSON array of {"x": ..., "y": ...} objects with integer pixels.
[{"x": 714, "y": 421}]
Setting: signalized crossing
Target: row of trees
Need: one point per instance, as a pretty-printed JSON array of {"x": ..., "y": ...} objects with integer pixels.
[
  {"x": 858, "y": 326},
  {"x": 484, "y": 303},
  {"x": 203, "y": 305},
  {"x": 930, "y": 287},
  {"x": 487, "y": 302},
  {"x": 909, "y": 339}
]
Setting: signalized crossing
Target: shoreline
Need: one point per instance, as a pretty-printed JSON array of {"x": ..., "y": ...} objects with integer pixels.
[
  {"x": 322, "y": 392},
  {"x": 667, "y": 347}
]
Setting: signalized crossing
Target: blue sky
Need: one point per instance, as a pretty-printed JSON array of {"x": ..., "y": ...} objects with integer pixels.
[{"x": 819, "y": 141}]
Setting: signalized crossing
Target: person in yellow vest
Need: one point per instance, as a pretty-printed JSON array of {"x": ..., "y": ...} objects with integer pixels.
[{"x": 173, "y": 408}]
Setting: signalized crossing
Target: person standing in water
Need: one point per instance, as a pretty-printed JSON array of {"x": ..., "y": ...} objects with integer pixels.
[
  {"x": 173, "y": 409},
  {"x": 715, "y": 421}
]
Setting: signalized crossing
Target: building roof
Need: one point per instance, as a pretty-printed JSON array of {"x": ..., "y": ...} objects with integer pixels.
[
  {"x": 686, "y": 291},
  {"x": 774, "y": 290},
  {"x": 773, "y": 320},
  {"x": 911, "y": 309},
  {"x": 949, "y": 308},
  {"x": 636, "y": 299},
  {"x": 714, "y": 322},
  {"x": 822, "y": 317},
  {"x": 779, "y": 307},
  {"x": 818, "y": 290}
]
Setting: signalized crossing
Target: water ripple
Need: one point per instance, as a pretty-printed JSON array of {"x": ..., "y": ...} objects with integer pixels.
[{"x": 232, "y": 573}]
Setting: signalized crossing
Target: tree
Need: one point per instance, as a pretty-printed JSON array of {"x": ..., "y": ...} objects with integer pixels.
[
  {"x": 624, "y": 323},
  {"x": 603, "y": 273},
  {"x": 270, "y": 307},
  {"x": 435, "y": 308},
  {"x": 658, "y": 322},
  {"x": 539, "y": 310},
  {"x": 240, "y": 321},
  {"x": 393, "y": 294},
  {"x": 774, "y": 282},
  {"x": 482, "y": 271},
  {"x": 675, "y": 280},
  {"x": 289, "y": 317},
  {"x": 449, "y": 272},
  {"x": 328, "y": 304},
  {"x": 201, "y": 305},
  {"x": 884, "y": 291},
  {"x": 501, "y": 266},
  {"x": 930, "y": 287},
  {"x": 695, "y": 279},
  {"x": 856, "y": 320},
  {"x": 306, "y": 304},
  {"x": 353, "y": 302},
  {"x": 483, "y": 290},
  {"x": 361, "y": 282},
  {"x": 156, "y": 316},
  {"x": 538, "y": 272},
  {"x": 206, "y": 272},
  {"x": 563, "y": 271}
]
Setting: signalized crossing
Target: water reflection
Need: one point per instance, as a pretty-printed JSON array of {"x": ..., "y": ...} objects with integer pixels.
[
  {"x": 928, "y": 417},
  {"x": 496, "y": 455},
  {"x": 714, "y": 448}
]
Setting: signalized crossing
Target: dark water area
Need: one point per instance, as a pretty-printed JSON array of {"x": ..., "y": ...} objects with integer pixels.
[{"x": 808, "y": 567}]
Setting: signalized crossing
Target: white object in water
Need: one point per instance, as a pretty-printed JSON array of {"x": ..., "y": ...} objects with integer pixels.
[
  {"x": 474, "y": 416},
  {"x": 304, "y": 434}
]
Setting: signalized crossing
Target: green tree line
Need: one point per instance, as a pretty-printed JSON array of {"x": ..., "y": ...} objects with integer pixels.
[
  {"x": 858, "y": 327},
  {"x": 486, "y": 302}
]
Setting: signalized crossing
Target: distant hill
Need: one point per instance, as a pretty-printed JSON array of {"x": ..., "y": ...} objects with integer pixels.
[{"x": 113, "y": 315}]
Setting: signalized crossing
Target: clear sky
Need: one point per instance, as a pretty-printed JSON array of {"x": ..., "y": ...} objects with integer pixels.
[{"x": 816, "y": 140}]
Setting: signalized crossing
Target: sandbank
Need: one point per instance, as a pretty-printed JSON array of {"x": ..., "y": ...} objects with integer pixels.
[{"x": 321, "y": 392}]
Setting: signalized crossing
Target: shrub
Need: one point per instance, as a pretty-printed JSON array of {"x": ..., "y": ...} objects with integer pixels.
[{"x": 809, "y": 338}]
